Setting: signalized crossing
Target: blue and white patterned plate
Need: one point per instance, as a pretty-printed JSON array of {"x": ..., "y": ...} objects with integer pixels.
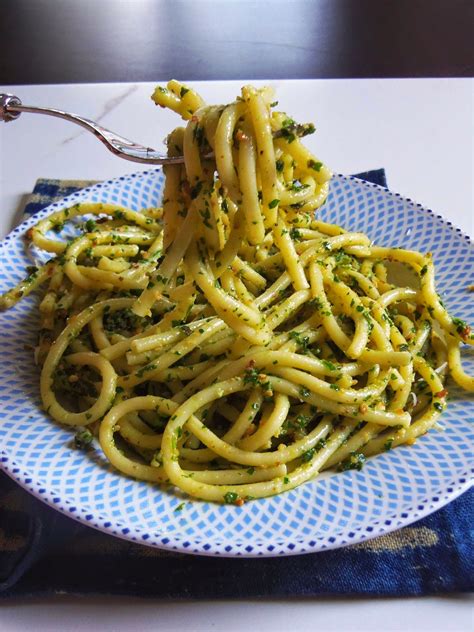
[{"x": 393, "y": 489}]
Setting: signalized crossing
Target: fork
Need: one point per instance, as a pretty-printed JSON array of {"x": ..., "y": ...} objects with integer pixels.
[{"x": 11, "y": 107}]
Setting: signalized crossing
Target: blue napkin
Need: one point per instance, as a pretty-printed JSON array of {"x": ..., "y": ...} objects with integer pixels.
[{"x": 43, "y": 552}]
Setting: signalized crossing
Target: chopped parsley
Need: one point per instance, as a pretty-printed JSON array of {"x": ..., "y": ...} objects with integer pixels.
[
  {"x": 355, "y": 461},
  {"x": 308, "y": 455},
  {"x": 231, "y": 498},
  {"x": 301, "y": 341},
  {"x": 253, "y": 376},
  {"x": 320, "y": 445},
  {"x": 388, "y": 444},
  {"x": 313, "y": 164},
  {"x": 123, "y": 320},
  {"x": 90, "y": 226},
  {"x": 83, "y": 439},
  {"x": 196, "y": 189},
  {"x": 317, "y": 303},
  {"x": 295, "y": 234}
]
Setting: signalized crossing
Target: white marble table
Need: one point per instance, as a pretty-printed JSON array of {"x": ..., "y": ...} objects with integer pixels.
[{"x": 420, "y": 130}]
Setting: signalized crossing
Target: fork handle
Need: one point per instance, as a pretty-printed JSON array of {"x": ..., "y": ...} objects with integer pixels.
[{"x": 11, "y": 107}]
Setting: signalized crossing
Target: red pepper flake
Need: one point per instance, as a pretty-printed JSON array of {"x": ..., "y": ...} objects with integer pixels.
[
  {"x": 250, "y": 430},
  {"x": 442, "y": 393},
  {"x": 240, "y": 136},
  {"x": 186, "y": 189},
  {"x": 239, "y": 502}
]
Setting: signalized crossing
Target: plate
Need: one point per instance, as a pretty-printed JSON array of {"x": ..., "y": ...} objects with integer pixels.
[{"x": 392, "y": 490}]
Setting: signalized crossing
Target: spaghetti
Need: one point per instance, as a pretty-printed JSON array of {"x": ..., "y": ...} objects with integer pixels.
[{"x": 229, "y": 343}]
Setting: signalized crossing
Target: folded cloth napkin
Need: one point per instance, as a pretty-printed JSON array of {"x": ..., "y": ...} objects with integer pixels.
[{"x": 42, "y": 552}]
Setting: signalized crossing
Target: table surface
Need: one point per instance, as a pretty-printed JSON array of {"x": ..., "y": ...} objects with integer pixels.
[{"x": 420, "y": 130}]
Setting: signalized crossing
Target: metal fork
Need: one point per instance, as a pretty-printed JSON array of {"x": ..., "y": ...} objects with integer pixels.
[{"x": 11, "y": 108}]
